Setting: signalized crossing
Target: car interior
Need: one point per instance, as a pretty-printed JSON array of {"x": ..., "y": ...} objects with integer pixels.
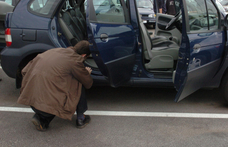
[
  {"x": 72, "y": 22},
  {"x": 160, "y": 53}
]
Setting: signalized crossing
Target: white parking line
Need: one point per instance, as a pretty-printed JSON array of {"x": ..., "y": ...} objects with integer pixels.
[
  {"x": 0, "y": 67},
  {"x": 130, "y": 113}
]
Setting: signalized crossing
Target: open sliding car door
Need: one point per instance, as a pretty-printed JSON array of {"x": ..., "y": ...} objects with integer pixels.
[
  {"x": 202, "y": 46},
  {"x": 112, "y": 37}
]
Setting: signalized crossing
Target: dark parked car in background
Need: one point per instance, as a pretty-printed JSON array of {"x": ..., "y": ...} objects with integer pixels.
[
  {"x": 146, "y": 10},
  {"x": 191, "y": 52},
  {"x": 5, "y": 6}
]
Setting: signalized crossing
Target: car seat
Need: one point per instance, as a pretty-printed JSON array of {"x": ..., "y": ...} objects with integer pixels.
[
  {"x": 162, "y": 55},
  {"x": 70, "y": 29},
  {"x": 78, "y": 17}
]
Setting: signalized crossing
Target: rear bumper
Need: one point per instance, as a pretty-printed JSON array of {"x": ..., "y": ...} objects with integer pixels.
[{"x": 148, "y": 20}]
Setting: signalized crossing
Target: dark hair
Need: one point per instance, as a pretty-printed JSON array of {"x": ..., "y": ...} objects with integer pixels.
[{"x": 82, "y": 47}]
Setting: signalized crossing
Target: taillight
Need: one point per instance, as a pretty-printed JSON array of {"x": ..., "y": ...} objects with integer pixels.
[{"x": 8, "y": 37}]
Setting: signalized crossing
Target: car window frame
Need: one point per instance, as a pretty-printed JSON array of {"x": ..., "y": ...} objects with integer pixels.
[{"x": 50, "y": 14}]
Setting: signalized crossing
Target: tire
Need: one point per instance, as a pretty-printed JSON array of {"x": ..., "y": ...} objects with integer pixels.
[
  {"x": 23, "y": 63},
  {"x": 224, "y": 87}
]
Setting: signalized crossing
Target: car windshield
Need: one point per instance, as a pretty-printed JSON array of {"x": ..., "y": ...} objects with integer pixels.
[{"x": 144, "y": 4}]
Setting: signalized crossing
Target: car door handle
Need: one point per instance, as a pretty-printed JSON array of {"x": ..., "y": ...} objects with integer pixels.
[
  {"x": 104, "y": 37},
  {"x": 196, "y": 46},
  {"x": 22, "y": 35}
]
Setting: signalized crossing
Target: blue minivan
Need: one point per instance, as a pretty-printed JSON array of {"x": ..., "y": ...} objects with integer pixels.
[{"x": 188, "y": 50}]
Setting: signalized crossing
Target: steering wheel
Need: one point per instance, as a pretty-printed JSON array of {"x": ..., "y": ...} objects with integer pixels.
[{"x": 173, "y": 20}]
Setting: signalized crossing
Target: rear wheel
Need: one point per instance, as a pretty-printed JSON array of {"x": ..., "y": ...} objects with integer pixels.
[
  {"x": 224, "y": 87},
  {"x": 24, "y": 62}
]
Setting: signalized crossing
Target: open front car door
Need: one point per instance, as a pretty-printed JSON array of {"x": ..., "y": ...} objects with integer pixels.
[{"x": 202, "y": 46}]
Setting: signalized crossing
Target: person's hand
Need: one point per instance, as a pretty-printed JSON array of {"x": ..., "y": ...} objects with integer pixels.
[{"x": 88, "y": 69}]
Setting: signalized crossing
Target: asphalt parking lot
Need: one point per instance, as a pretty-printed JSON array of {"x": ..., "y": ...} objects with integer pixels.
[{"x": 121, "y": 117}]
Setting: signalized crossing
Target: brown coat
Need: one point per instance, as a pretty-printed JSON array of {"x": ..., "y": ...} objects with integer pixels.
[{"x": 52, "y": 82}]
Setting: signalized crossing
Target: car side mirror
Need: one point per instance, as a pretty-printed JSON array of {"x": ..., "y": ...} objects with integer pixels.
[{"x": 226, "y": 21}]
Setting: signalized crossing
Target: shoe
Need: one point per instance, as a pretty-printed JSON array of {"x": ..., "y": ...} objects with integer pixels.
[
  {"x": 37, "y": 123},
  {"x": 82, "y": 123}
]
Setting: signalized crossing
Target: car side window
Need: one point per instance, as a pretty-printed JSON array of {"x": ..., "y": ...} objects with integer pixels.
[
  {"x": 197, "y": 14},
  {"x": 202, "y": 15},
  {"x": 43, "y": 7},
  {"x": 213, "y": 18},
  {"x": 110, "y": 11},
  {"x": 8, "y": 1}
]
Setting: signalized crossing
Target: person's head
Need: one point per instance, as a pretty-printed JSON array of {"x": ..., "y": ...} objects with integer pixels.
[{"x": 82, "y": 48}]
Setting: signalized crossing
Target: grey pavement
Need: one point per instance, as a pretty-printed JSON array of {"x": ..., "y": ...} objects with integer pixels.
[{"x": 120, "y": 131}]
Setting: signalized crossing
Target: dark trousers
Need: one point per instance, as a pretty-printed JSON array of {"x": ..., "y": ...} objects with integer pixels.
[
  {"x": 46, "y": 118},
  {"x": 82, "y": 104}
]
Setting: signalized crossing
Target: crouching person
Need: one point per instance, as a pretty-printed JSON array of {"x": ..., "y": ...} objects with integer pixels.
[{"x": 53, "y": 85}]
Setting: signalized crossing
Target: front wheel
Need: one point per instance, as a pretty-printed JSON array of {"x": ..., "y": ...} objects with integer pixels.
[{"x": 224, "y": 87}]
